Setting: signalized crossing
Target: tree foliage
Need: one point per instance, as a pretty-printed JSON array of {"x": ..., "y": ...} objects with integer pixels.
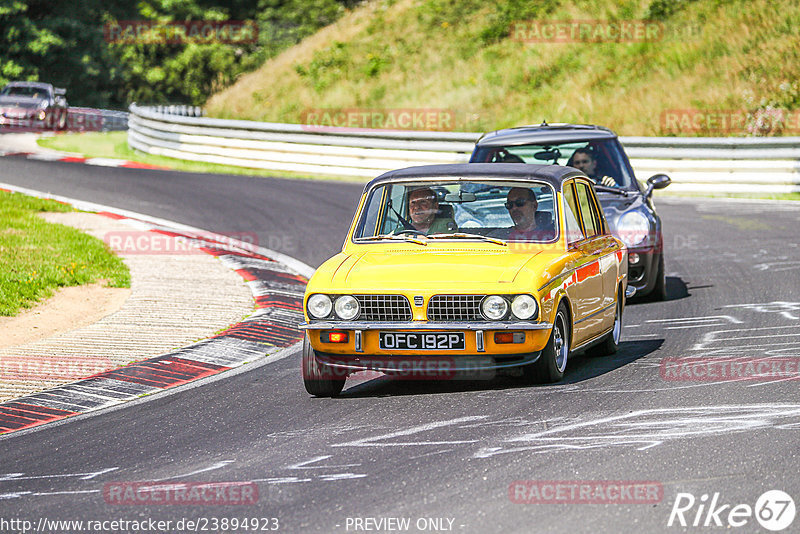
[{"x": 64, "y": 44}]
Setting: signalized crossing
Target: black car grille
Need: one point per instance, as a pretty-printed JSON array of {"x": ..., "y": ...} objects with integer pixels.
[
  {"x": 455, "y": 308},
  {"x": 384, "y": 308}
]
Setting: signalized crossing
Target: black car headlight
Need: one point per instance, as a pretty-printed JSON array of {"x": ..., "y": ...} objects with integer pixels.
[{"x": 633, "y": 228}]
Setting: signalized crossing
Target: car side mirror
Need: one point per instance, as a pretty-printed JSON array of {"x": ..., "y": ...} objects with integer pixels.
[{"x": 657, "y": 181}]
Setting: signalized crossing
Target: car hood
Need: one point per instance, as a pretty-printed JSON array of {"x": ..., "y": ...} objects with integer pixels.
[
  {"x": 19, "y": 102},
  {"x": 460, "y": 270}
]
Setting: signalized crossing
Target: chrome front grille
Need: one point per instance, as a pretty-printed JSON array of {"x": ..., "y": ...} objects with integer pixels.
[
  {"x": 455, "y": 308},
  {"x": 384, "y": 308}
]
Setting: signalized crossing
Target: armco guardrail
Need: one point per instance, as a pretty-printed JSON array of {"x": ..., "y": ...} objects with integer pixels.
[{"x": 765, "y": 165}]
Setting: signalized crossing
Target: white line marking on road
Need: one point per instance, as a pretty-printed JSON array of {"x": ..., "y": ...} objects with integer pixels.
[{"x": 370, "y": 441}]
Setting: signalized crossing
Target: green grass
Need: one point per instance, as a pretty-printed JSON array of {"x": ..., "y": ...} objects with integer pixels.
[
  {"x": 37, "y": 257},
  {"x": 713, "y": 55},
  {"x": 115, "y": 145}
]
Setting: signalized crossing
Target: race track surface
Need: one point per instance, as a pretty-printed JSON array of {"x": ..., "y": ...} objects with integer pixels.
[{"x": 446, "y": 452}]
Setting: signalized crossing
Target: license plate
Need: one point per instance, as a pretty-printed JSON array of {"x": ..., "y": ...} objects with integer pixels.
[{"x": 421, "y": 340}]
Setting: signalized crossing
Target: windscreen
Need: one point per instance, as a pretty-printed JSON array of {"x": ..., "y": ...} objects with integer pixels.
[
  {"x": 597, "y": 159},
  {"x": 511, "y": 211}
]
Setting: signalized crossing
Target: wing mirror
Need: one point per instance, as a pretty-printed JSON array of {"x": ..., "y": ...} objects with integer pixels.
[{"x": 657, "y": 181}]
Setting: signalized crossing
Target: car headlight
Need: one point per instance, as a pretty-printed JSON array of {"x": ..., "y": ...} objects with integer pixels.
[
  {"x": 494, "y": 307},
  {"x": 319, "y": 306},
  {"x": 524, "y": 307},
  {"x": 633, "y": 228},
  {"x": 346, "y": 307}
]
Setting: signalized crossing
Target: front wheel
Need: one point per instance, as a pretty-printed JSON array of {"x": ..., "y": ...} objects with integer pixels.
[
  {"x": 552, "y": 362},
  {"x": 62, "y": 120},
  {"x": 659, "y": 292},
  {"x": 320, "y": 380}
]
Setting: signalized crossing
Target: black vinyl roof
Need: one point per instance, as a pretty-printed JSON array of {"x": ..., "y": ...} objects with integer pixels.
[
  {"x": 545, "y": 133},
  {"x": 551, "y": 174}
]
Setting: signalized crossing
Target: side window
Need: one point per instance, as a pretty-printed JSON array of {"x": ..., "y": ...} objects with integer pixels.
[
  {"x": 571, "y": 214},
  {"x": 591, "y": 221}
]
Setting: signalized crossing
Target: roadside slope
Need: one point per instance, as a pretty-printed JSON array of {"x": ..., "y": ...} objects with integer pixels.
[{"x": 460, "y": 56}]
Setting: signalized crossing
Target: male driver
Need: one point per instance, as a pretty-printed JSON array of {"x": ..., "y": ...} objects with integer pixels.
[
  {"x": 583, "y": 159},
  {"x": 423, "y": 207}
]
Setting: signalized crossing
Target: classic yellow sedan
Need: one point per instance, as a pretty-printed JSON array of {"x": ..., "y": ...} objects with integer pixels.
[{"x": 467, "y": 268}]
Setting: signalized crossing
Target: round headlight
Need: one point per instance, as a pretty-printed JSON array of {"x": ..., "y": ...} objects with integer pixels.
[
  {"x": 494, "y": 307},
  {"x": 632, "y": 228},
  {"x": 346, "y": 307},
  {"x": 319, "y": 306},
  {"x": 524, "y": 306}
]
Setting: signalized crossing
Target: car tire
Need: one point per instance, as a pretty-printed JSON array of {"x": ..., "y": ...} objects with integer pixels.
[
  {"x": 610, "y": 343},
  {"x": 659, "y": 292},
  {"x": 552, "y": 362},
  {"x": 62, "y": 120},
  {"x": 320, "y": 380}
]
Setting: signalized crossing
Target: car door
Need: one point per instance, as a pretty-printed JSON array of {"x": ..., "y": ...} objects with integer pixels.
[
  {"x": 585, "y": 289},
  {"x": 593, "y": 265}
]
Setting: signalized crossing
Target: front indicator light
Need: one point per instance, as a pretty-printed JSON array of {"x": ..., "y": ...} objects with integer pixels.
[
  {"x": 494, "y": 307},
  {"x": 524, "y": 307},
  {"x": 334, "y": 337},
  {"x": 633, "y": 258},
  {"x": 501, "y": 338},
  {"x": 41, "y": 115},
  {"x": 346, "y": 307},
  {"x": 319, "y": 306}
]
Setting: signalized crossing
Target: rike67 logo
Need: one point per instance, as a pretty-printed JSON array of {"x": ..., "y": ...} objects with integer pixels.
[{"x": 774, "y": 510}]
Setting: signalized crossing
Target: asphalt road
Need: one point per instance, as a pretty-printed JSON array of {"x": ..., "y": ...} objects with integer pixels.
[{"x": 446, "y": 454}]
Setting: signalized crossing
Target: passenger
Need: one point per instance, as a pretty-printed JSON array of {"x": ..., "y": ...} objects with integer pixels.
[
  {"x": 583, "y": 159},
  {"x": 522, "y": 205},
  {"x": 423, "y": 208}
]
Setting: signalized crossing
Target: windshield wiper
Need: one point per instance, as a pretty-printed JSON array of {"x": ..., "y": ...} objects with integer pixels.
[
  {"x": 462, "y": 235},
  {"x": 606, "y": 189},
  {"x": 409, "y": 238}
]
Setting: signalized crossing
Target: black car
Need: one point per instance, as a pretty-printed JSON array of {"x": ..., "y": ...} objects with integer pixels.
[
  {"x": 33, "y": 105},
  {"x": 597, "y": 152}
]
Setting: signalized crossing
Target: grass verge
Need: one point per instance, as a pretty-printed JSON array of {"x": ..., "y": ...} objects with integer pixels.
[
  {"x": 37, "y": 257},
  {"x": 115, "y": 145}
]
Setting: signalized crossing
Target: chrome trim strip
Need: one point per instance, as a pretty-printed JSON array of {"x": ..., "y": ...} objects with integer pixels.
[
  {"x": 597, "y": 312},
  {"x": 424, "y": 325},
  {"x": 479, "y": 341},
  {"x": 357, "y": 341}
]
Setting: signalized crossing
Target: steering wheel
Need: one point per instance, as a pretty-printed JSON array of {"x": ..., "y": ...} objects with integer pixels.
[{"x": 413, "y": 231}]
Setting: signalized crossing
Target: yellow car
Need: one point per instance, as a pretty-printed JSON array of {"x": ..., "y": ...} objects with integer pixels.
[{"x": 453, "y": 269}]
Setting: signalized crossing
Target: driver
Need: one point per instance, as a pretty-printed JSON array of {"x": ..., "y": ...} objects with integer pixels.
[
  {"x": 423, "y": 208},
  {"x": 583, "y": 159}
]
